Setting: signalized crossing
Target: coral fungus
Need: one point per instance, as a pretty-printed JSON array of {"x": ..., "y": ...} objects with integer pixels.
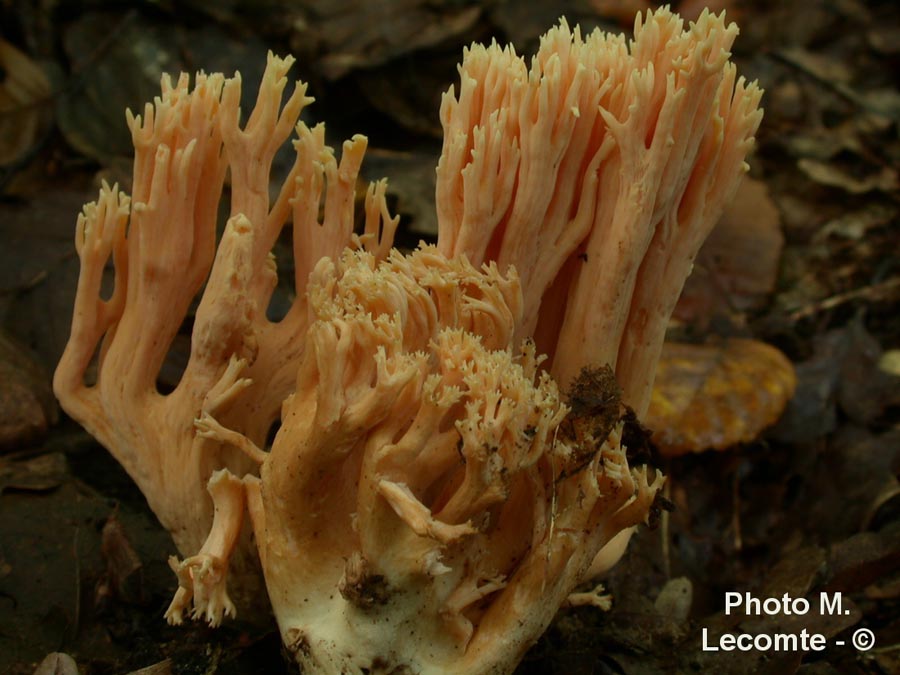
[{"x": 438, "y": 486}]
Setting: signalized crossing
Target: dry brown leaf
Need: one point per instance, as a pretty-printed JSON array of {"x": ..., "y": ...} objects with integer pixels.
[
  {"x": 27, "y": 406},
  {"x": 57, "y": 663},
  {"x": 356, "y": 35},
  {"x": 821, "y": 66},
  {"x": 737, "y": 267},
  {"x": 831, "y": 175},
  {"x": 675, "y": 598},
  {"x": 161, "y": 668},
  {"x": 714, "y": 396},
  {"x": 884, "y": 39},
  {"x": 123, "y": 564},
  {"x": 37, "y": 474},
  {"x": 854, "y": 225},
  {"x": 24, "y": 98}
]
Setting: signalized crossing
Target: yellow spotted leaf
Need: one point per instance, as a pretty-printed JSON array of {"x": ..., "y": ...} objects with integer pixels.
[{"x": 714, "y": 396}]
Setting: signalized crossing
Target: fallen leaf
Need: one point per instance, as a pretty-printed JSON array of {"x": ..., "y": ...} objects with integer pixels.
[
  {"x": 737, "y": 267},
  {"x": 717, "y": 395},
  {"x": 25, "y": 112},
  {"x": 361, "y": 35},
  {"x": 795, "y": 574},
  {"x": 123, "y": 565},
  {"x": 27, "y": 405},
  {"x": 39, "y": 269},
  {"x": 882, "y": 102},
  {"x": 37, "y": 474},
  {"x": 824, "y": 144},
  {"x": 890, "y": 362},
  {"x": 161, "y": 668},
  {"x": 57, "y": 663},
  {"x": 865, "y": 391},
  {"x": 118, "y": 60},
  {"x": 843, "y": 372},
  {"x": 831, "y": 175},
  {"x": 820, "y": 66},
  {"x": 884, "y": 38},
  {"x": 674, "y": 600},
  {"x": 864, "y": 558},
  {"x": 855, "y": 224},
  {"x": 846, "y": 482}
]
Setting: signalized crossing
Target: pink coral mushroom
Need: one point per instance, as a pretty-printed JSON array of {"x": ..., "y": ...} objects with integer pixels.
[
  {"x": 163, "y": 244},
  {"x": 432, "y": 496}
]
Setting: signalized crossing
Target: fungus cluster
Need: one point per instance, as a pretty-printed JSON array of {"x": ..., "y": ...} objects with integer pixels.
[
  {"x": 450, "y": 460},
  {"x": 162, "y": 242}
]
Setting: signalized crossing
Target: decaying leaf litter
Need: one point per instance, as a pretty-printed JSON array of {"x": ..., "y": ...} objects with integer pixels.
[{"x": 810, "y": 506}]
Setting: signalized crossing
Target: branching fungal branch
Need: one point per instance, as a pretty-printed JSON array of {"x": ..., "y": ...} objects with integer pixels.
[
  {"x": 163, "y": 245},
  {"x": 596, "y": 173}
]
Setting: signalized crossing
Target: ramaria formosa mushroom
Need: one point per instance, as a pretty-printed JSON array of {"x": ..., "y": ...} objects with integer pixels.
[
  {"x": 162, "y": 242},
  {"x": 431, "y": 498}
]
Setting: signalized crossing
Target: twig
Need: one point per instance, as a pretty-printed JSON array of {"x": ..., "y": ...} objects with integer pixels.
[
  {"x": 788, "y": 58},
  {"x": 736, "y": 509},
  {"x": 664, "y": 530},
  {"x": 877, "y": 291},
  {"x": 552, "y": 508},
  {"x": 77, "y": 618}
]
